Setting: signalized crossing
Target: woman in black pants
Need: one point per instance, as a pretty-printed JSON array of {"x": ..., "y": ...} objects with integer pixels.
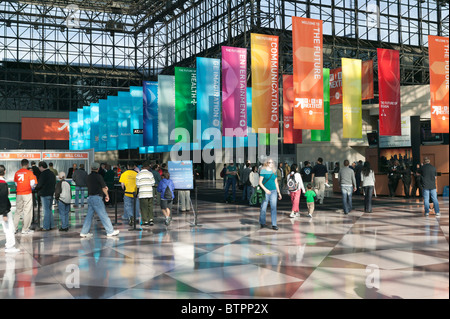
[{"x": 368, "y": 185}]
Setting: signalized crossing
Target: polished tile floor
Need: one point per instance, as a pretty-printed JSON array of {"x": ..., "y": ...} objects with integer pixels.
[{"x": 395, "y": 252}]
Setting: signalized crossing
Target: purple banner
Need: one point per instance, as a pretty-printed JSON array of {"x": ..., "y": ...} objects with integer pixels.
[{"x": 234, "y": 91}]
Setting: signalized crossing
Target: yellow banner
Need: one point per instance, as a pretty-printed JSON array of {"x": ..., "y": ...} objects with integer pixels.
[
  {"x": 351, "y": 98},
  {"x": 264, "y": 67}
]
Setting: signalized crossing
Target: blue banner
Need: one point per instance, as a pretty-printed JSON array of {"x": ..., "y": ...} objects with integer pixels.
[
  {"x": 87, "y": 127},
  {"x": 137, "y": 112},
  {"x": 73, "y": 131},
  {"x": 94, "y": 126},
  {"x": 103, "y": 125},
  {"x": 150, "y": 113},
  {"x": 113, "y": 125},
  {"x": 181, "y": 173},
  {"x": 80, "y": 129},
  {"x": 166, "y": 108},
  {"x": 124, "y": 99}
]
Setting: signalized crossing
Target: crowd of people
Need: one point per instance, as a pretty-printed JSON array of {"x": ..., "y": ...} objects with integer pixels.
[{"x": 149, "y": 184}]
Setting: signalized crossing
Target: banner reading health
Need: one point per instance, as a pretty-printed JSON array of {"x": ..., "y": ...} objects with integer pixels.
[
  {"x": 308, "y": 68},
  {"x": 438, "y": 51},
  {"x": 208, "y": 94},
  {"x": 351, "y": 98},
  {"x": 234, "y": 91},
  {"x": 264, "y": 67},
  {"x": 185, "y": 101},
  {"x": 290, "y": 135},
  {"x": 150, "y": 113},
  {"x": 166, "y": 108},
  {"x": 389, "y": 92},
  {"x": 325, "y": 134}
]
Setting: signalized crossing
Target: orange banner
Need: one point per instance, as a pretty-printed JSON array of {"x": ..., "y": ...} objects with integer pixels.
[
  {"x": 264, "y": 67},
  {"x": 438, "y": 50},
  {"x": 4, "y": 156},
  {"x": 366, "y": 83},
  {"x": 307, "y": 44},
  {"x": 37, "y": 128},
  {"x": 290, "y": 135},
  {"x": 63, "y": 155}
]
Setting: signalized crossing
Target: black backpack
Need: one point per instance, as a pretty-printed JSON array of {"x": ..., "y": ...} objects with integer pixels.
[
  {"x": 292, "y": 184},
  {"x": 167, "y": 193}
]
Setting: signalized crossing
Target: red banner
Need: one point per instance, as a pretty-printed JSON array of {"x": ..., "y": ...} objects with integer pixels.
[
  {"x": 366, "y": 83},
  {"x": 438, "y": 50},
  {"x": 290, "y": 135},
  {"x": 389, "y": 92},
  {"x": 307, "y": 42},
  {"x": 37, "y": 128}
]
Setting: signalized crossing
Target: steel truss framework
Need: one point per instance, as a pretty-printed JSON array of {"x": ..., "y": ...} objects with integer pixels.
[{"x": 61, "y": 55}]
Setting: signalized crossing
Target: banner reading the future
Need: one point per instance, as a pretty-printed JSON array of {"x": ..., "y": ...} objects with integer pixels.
[
  {"x": 264, "y": 67},
  {"x": 234, "y": 91},
  {"x": 290, "y": 135},
  {"x": 208, "y": 94},
  {"x": 308, "y": 81},
  {"x": 325, "y": 134},
  {"x": 438, "y": 51},
  {"x": 351, "y": 98},
  {"x": 389, "y": 92}
]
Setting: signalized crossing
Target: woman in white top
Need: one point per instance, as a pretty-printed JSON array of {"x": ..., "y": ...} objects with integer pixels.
[
  {"x": 296, "y": 190},
  {"x": 368, "y": 185},
  {"x": 254, "y": 180}
]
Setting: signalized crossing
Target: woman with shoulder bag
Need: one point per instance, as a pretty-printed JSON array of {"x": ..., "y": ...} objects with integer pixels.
[
  {"x": 368, "y": 185},
  {"x": 269, "y": 184}
]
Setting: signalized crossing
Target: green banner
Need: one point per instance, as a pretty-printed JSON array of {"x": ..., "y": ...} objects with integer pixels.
[
  {"x": 324, "y": 135},
  {"x": 185, "y": 101}
]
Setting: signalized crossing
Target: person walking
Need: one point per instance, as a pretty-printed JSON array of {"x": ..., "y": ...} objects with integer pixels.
[
  {"x": 130, "y": 203},
  {"x": 63, "y": 196},
  {"x": 231, "y": 176},
  {"x": 96, "y": 190},
  {"x": 306, "y": 172},
  {"x": 320, "y": 178},
  {"x": 7, "y": 219},
  {"x": 295, "y": 187},
  {"x": 46, "y": 188},
  {"x": 347, "y": 181},
  {"x": 157, "y": 177},
  {"x": 166, "y": 189},
  {"x": 25, "y": 182},
  {"x": 109, "y": 179},
  {"x": 418, "y": 182},
  {"x": 429, "y": 187},
  {"x": 358, "y": 170},
  {"x": 144, "y": 183},
  {"x": 280, "y": 175},
  {"x": 245, "y": 180},
  {"x": 368, "y": 186},
  {"x": 393, "y": 178},
  {"x": 269, "y": 184},
  {"x": 254, "y": 181},
  {"x": 310, "y": 195},
  {"x": 406, "y": 179},
  {"x": 79, "y": 177}
]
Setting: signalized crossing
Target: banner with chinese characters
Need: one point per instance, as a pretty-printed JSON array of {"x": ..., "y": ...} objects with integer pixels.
[
  {"x": 438, "y": 50},
  {"x": 308, "y": 67},
  {"x": 389, "y": 92},
  {"x": 351, "y": 98}
]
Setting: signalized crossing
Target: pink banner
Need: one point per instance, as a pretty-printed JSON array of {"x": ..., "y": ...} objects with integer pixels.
[{"x": 234, "y": 91}]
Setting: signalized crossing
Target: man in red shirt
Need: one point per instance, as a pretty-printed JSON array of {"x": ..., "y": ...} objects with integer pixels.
[{"x": 25, "y": 182}]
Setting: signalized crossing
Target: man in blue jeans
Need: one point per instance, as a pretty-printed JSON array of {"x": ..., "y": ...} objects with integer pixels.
[
  {"x": 96, "y": 189},
  {"x": 429, "y": 187},
  {"x": 231, "y": 175},
  {"x": 46, "y": 189},
  {"x": 347, "y": 181}
]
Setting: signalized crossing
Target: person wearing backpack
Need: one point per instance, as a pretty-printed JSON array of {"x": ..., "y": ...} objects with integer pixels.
[
  {"x": 63, "y": 196},
  {"x": 166, "y": 189},
  {"x": 295, "y": 187}
]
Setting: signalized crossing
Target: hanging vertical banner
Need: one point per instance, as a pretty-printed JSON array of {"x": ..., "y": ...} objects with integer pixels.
[
  {"x": 234, "y": 91},
  {"x": 73, "y": 131},
  {"x": 137, "y": 113},
  {"x": 308, "y": 68},
  {"x": 351, "y": 98},
  {"x": 389, "y": 92},
  {"x": 87, "y": 126},
  {"x": 150, "y": 115},
  {"x": 336, "y": 86},
  {"x": 208, "y": 94},
  {"x": 438, "y": 51},
  {"x": 325, "y": 134},
  {"x": 80, "y": 129},
  {"x": 94, "y": 126},
  {"x": 185, "y": 101},
  {"x": 290, "y": 135},
  {"x": 103, "y": 125},
  {"x": 113, "y": 123},
  {"x": 367, "y": 80},
  {"x": 166, "y": 108},
  {"x": 124, "y": 99},
  {"x": 264, "y": 67}
]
